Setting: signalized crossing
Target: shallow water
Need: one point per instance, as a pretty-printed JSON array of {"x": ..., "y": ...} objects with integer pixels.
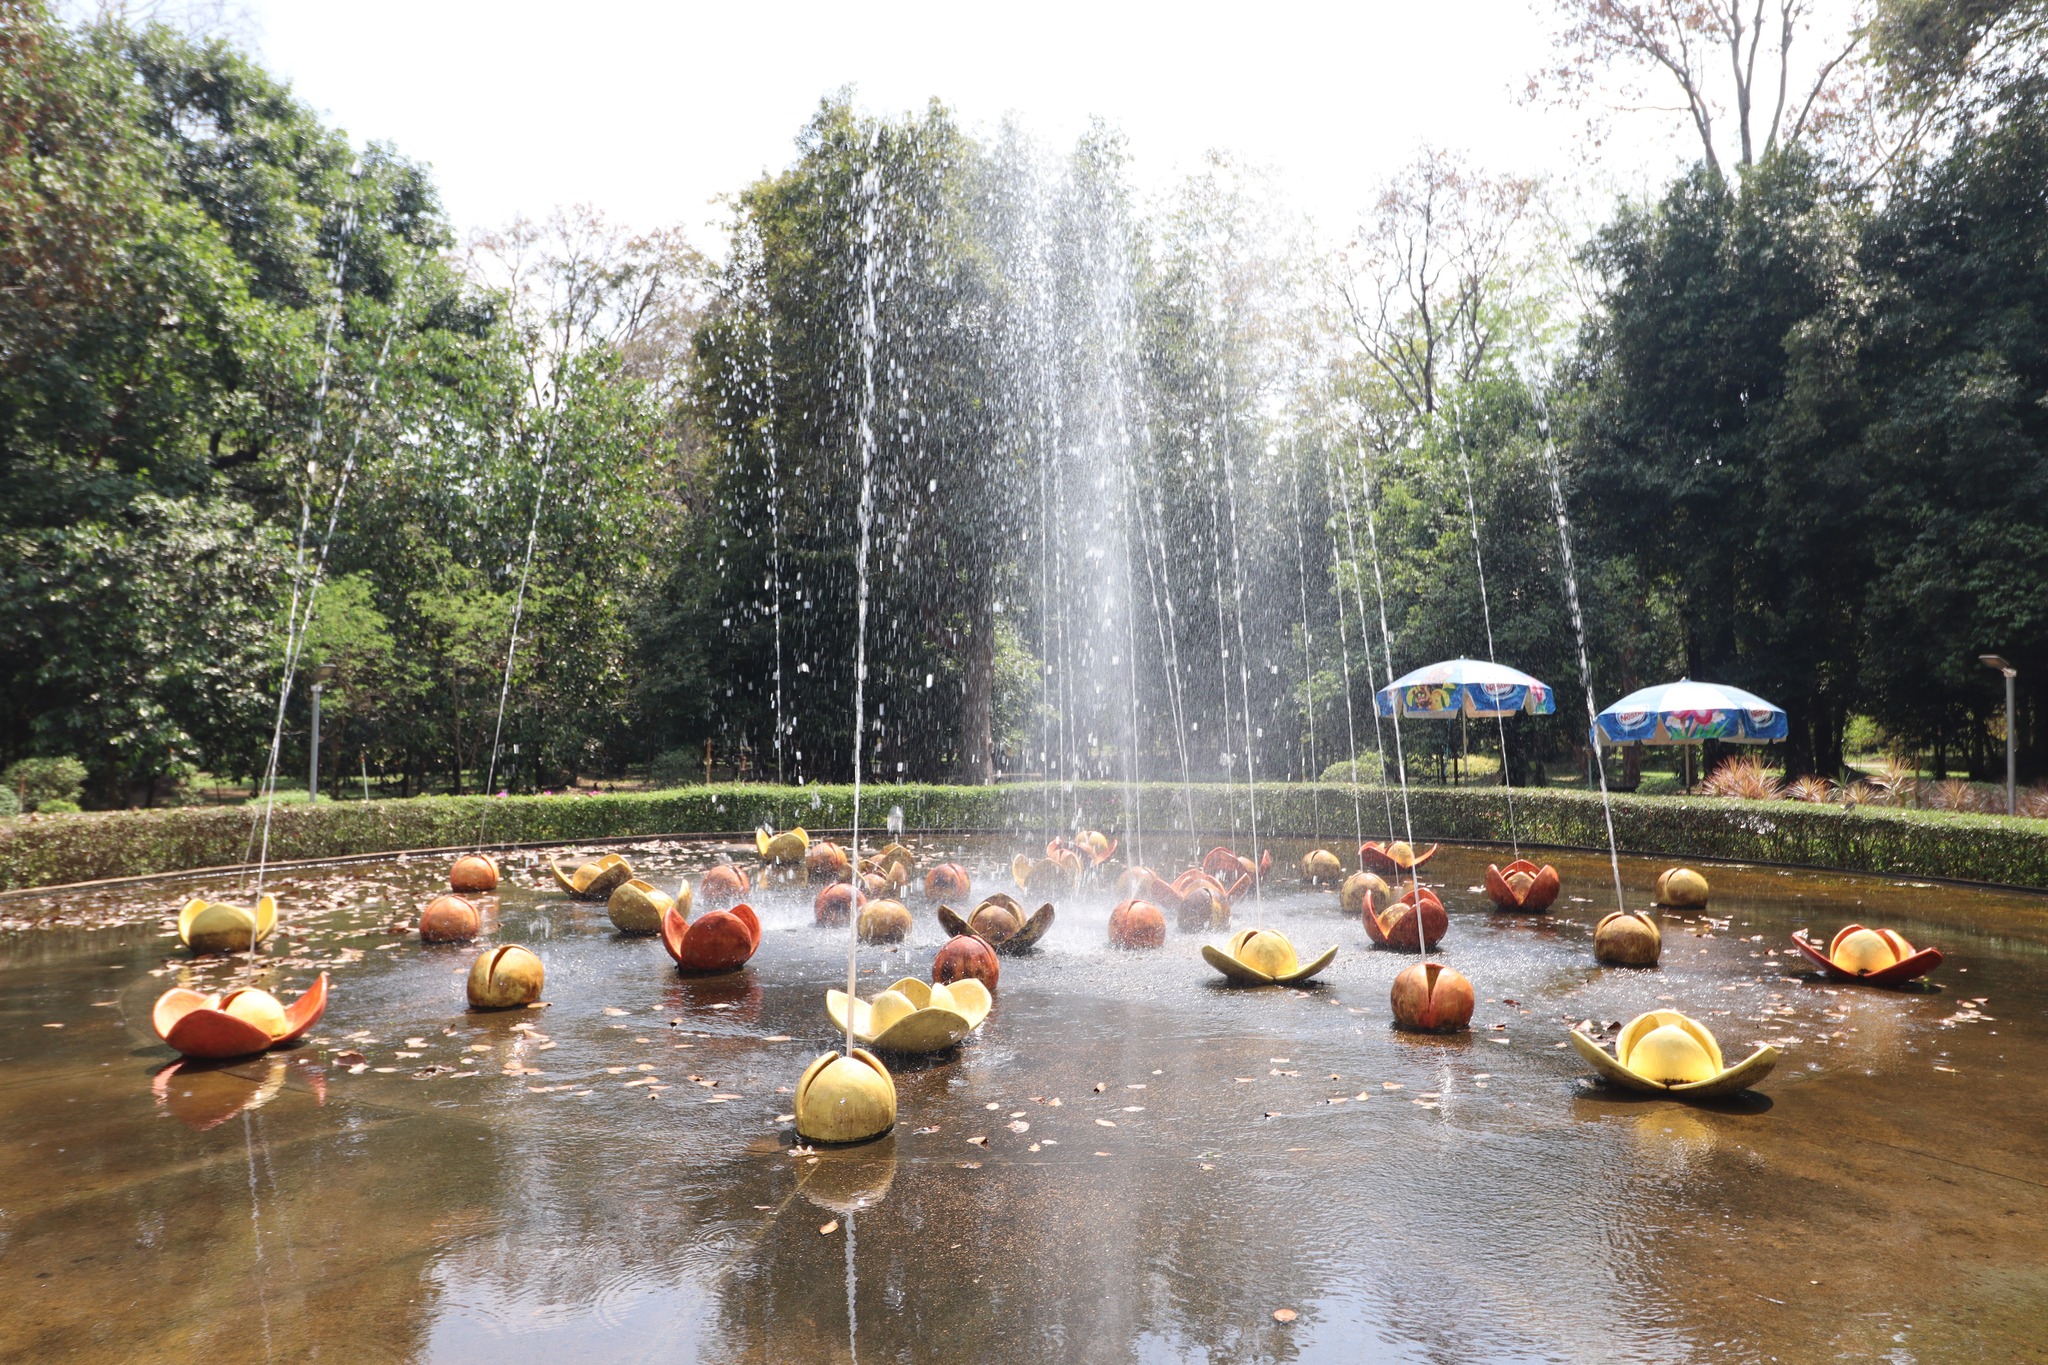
[{"x": 509, "y": 1187}]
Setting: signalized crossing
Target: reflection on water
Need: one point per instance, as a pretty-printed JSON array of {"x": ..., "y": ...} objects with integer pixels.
[{"x": 1130, "y": 1161}]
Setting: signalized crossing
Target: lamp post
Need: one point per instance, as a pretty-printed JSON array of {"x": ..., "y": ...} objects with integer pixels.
[
  {"x": 322, "y": 675},
  {"x": 2011, "y": 736}
]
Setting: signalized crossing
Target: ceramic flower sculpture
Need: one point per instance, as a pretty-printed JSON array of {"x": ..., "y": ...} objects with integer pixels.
[
  {"x": 1432, "y": 998},
  {"x": 505, "y": 978},
  {"x": 964, "y": 956},
  {"x": 1263, "y": 957},
  {"x": 1664, "y": 1052},
  {"x": 723, "y": 887},
  {"x": 1523, "y": 886},
  {"x": 1352, "y": 894},
  {"x": 1416, "y": 911},
  {"x": 884, "y": 922},
  {"x": 782, "y": 850},
  {"x": 1392, "y": 859},
  {"x": 948, "y": 882},
  {"x": 449, "y": 919},
  {"x": 474, "y": 873},
  {"x": 593, "y": 881},
  {"x": 913, "y": 1016},
  {"x": 240, "y": 1023},
  {"x": 215, "y": 927},
  {"x": 1874, "y": 957},
  {"x": 846, "y": 1097},
  {"x": 999, "y": 921},
  {"x": 719, "y": 940},
  {"x": 637, "y": 906},
  {"x": 1681, "y": 888},
  {"x": 1628, "y": 939},
  {"x": 1320, "y": 867},
  {"x": 1137, "y": 924}
]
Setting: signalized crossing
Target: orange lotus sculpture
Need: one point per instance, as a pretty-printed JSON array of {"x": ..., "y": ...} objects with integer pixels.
[
  {"x": 719, "y": 940},
  {"x": 1523, "y": 886},
  {"x": 723, "y": 887},
  {"x": 1873, "y": 957},
  {"x": 1137, "y": 924},
  {"x": 1222, "y": 862},
  {"x": 948, "y": 882},
  {"x": 1416, "y": 912},
  {"x": 449, "y": 919},
  {"x": 1000, "y": 922},
  {"x": 834, "y": 904},
  {"x": 240, "y": 1023},
  {"x": 826, "y": 862},
  {"x": 1391, "y": 860},
  {"x": 1197, "y": 899},
  {"x": 963, "y": 956},
  {"x": 473, "y": 873},
  {"x": 1432, "y": 998}
]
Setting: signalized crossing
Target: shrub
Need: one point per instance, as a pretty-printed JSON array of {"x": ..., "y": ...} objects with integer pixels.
[
  {"x": 1813, "y": 790},
  {"x": 676, "y": 768},
  {"x": 1953, "y": 793},
  {"x": 36, "y": 781},
  {"x": 1744, "y": 777},
  {"x": 10, "y": 805},
  {"x": 58, "y": 807}
]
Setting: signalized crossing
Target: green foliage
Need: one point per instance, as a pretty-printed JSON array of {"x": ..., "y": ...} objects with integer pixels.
[
  {"x": 676, "y": 768},
  {"x": 36, "y": 782},
  {"x": 10, "y": 805},
  {"x": 58, "y": 807}
]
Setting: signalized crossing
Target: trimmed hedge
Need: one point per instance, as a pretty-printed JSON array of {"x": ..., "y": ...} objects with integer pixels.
[{"x": 46, "y": 851}]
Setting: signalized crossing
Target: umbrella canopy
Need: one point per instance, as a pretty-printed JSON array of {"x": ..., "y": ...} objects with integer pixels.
[
  {"x": 1465, "y": 687},
  {"x": 1688, "y": 712}
]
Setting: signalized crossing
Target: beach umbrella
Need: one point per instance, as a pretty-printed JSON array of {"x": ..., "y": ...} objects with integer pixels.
[
  {"x": 1688, "y": 712},
  {"x": 1465, "y": 688}
]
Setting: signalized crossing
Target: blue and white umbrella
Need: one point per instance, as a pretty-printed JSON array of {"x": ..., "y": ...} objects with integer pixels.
[
  {"x": 1465, "y": 687},
  {"x": 1688, "y": 712}
]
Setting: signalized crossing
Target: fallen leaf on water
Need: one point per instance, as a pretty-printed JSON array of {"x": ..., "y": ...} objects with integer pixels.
[
  {"x": 1104, "y": 1123},
  {"x": 1284, "y": 1315},
  {"x": 1019, "y": 1126},
  {"x": 969, "y": 1165},
  {"x": 615, "y": 1010},
  {"x": 920, "y": 1132},
  {"x": 829, "y": 1228},
  {"x": 1099, "y": 1085}
]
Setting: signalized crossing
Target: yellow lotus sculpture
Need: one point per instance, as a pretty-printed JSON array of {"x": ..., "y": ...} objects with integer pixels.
[
  {"x": 915, "y": 1016},
  {"x": 848, "y": 1097},
  {"x": 786, "y": 848},
  {"x": 213, "y": 927},
  {"x": 1263, "y": 957},
  {"x": 1665, "y": 1053},
  {"x": 593, "y": 881}
]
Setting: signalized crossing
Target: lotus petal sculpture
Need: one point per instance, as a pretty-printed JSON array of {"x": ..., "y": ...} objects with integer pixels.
[
  {"x": 834, "y": 904},
  {"x": 723, "y": 887},
  {"x": 826, "y": 862},
  {"x": 782, "y": 850},
  {"x": 593, "y": 881},
  {"x": 474, "y": 873},
  {"x": 449, "y": 919},
  {"x": 1663, "y": 1052},
  {"x": 1523, "y": 886},
  {"x": 1392, "y": 859},
  {"x": 1224, "y": 862},
  {"x": 1681, "y": 888},
  {"x": 964, "y": 956},
  {"x": 215, "y": 927},
  {"x": 1320, "y": 867},
  {"x": 1263, "y": 957},
  {"x": 999, "y": 921},
  {"x": 1358, "y": 886},
  {"x": 845, "y": 1098},
  {"x": 893, "y": 865},
  {"x": 1628, "y": 939},
  {"x": 239, "y": 1023},
  {"x": 948, "y": 882},
  {"x": 1137, "y": 924},
  {"x": 912, "y": 1016},
  {"x": 505, "y": 978},
  {"x": 1055, "y": 874},
  {"x": 1432, "y": 998},
  {"x": 884, "y": 922},
  {"x": 1093, "y": 845},
  {"x": 638, "y": 906},
  {"x": 1417, "y": 911},
  {"x": 1873, "y": 957},
  {"x": 719, "y": 940}
]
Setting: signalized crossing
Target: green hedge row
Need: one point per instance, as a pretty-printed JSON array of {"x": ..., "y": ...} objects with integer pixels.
[{"x": 43, "y": 851}]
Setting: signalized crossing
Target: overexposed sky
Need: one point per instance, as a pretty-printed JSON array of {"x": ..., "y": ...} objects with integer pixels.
[{"x": 652, "y": 111}]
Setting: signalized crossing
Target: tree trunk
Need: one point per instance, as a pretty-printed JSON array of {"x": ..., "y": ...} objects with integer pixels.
[{"x": 977, "y": 707}]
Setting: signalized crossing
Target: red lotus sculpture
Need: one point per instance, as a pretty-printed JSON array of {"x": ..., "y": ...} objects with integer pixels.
[
  {"x": 241, "y": 1023},
  {"x": 473, "y": 872},
  {"x": 1224, "y": 862},
  {"x": 449, "y": 919},
  {"x": 723, "y": 887},
  {"x": 1001, "y": 923},
  {"x": 965, "y": 955},
  {"x": 1137, "y": 924},
  {"x": 1392, "y": 859},
  {"x": 1417, "y": 910},
  {"x": 1871, "y": 957},
  {"x": 826, "y": 862},
  {"x": 1523, "y": 886},
  {"x": 719, "y": 941},
  {"x": 1432, "y": 998},
  {"x": 948, "y": 882},
  {"x": 834, "y": 904}
]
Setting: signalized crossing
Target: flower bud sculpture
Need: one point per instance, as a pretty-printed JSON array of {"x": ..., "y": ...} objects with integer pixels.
[
  {"x": 845, "y": 1098},
  {"x": 1417, "y": 911},
  {"x": 717, "y": 941},
  {"x": 1664, "y": 1052},
  {"x": 1874, "y": 957},
  {"x": 884, "y": 922},
  {"x": 964, "y": 956},
  {"x": 1523, "y": 886},
  {"x": 1137, "y": 924},
  {"x": 892, "y": 866},
  {"x": 835, "y": 903},
  {"x": 782, "y": 850},
  {"x": 826, "y": 862},
  {"x": 1320, "y": 867},
  {"x": 1053, "y": 875},
  {"x": 1630, "y": 939},
  {"x": 1432, "y": 998},
  {"x": 1263, "y": 957},
  {"x": 215, "y": 927},
  {"x": 637, "y": 907},
  {"x": 240, "y": 1023},
  {"x": 593, "y": 881},
  {"x": 1358, "y": 886},
  {"x": 948, "y": 882},
  {"x": 1093, "y": 845},
  {"x": 999, "y": 922},
  {"x": 1393, "y": 859},
  {"x": 1681, "y": 888},
  {"x": 912, "y": 1016},
  {"x": 505, "y": 978},
  {"x": 723, "y": 887},
  {"x": 449, "y": 919},
  {"x": 1136, "y": 881},
  {"x": 473, "y": 874}
]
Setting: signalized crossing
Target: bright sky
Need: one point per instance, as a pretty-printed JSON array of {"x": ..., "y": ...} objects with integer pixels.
[{"x": 651, "y": 111}]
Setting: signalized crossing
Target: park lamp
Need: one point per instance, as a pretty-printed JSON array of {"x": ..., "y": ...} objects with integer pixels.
[{"x": 2011, "y": 737}]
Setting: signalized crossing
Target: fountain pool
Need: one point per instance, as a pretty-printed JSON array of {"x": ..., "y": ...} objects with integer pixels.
[{"x": 1129, "y": 1160}]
